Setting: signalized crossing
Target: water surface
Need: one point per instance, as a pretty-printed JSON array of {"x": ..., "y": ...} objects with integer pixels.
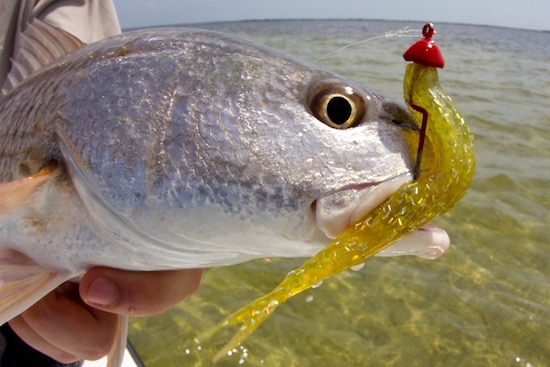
[{"x": 486, "y": 302}]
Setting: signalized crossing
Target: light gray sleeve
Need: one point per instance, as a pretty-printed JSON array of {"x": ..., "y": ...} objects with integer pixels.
[
  {"x": 89, "y": 20},
  {"x": 11, "y": 14}
]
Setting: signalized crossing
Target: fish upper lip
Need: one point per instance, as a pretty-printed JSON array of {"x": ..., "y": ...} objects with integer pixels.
[{"x": 336, "y": 211}]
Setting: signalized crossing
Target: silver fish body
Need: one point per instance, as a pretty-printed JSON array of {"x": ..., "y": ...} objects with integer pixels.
[{"x": 187, "y": 148}]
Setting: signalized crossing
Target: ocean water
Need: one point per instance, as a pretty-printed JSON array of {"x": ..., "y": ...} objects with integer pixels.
[{"x": 486, "y": 302}]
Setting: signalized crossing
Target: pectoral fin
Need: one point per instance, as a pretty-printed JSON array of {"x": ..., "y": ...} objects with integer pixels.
[
  {"x": 23, "y": 283},
  {"x": 20, "y": 195}
]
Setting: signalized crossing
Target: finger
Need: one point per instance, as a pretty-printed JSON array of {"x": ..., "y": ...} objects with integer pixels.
[
  {"x": 137, "y": 293},
  {"x": 29, "y": 336},
  {"x": 55, "y": 324}
]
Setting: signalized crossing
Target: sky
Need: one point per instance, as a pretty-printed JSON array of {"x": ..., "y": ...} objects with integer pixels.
[{"x": 527, "y": 14}]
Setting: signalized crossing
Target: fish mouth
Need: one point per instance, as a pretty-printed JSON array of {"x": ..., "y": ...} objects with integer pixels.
[{"x": 336, "y": 211}]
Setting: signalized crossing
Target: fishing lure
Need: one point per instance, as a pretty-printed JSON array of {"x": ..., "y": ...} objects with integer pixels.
[{"x": 444, "y": 169}]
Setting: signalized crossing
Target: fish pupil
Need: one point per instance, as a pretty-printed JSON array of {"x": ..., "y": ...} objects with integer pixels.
[{"x": 339, "y": 110}]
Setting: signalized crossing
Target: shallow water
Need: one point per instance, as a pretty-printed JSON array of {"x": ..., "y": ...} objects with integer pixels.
[{"x": 486, "y": 302}]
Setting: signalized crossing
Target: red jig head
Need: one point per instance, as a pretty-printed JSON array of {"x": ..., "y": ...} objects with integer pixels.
[{"x": 425, "y": 52}]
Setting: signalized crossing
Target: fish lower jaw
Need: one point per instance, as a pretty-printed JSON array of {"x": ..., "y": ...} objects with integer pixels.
[{"x": 337, "y": 211}]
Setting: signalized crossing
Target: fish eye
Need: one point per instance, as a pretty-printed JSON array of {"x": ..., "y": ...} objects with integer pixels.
[{"x": 337, "y": 105}]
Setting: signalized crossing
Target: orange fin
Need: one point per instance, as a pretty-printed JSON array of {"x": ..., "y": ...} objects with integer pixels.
[
  {"x": 116, "y": 354},
  {"x": 23, "y": 283},
  {"x": 18, "y": 195}
]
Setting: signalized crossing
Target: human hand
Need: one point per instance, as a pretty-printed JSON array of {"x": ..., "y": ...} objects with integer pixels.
[{"x": 78, "y": 321}]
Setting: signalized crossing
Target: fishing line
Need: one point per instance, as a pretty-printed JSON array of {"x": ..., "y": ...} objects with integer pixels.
[{"x": 403, "y": 32}]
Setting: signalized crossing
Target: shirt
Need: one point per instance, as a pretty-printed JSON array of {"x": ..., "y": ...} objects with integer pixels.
[{"x": 88, "y": 20}]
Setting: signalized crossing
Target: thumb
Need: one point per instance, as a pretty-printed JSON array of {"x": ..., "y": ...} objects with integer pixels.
[{"x": 137, "y": 293}]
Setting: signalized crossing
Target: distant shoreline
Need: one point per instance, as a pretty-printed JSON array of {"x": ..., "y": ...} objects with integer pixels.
[{"x": 266, "y": 20}]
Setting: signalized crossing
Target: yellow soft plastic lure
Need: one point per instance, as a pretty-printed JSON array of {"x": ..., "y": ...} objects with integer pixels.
[{"x": 442, "y": 177}]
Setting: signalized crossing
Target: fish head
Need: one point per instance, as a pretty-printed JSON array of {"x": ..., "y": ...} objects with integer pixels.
[{"x": 211, "y": 143}]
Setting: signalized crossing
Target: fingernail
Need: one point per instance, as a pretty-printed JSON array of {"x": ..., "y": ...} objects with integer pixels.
[{"x": 102, "y": 292}]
